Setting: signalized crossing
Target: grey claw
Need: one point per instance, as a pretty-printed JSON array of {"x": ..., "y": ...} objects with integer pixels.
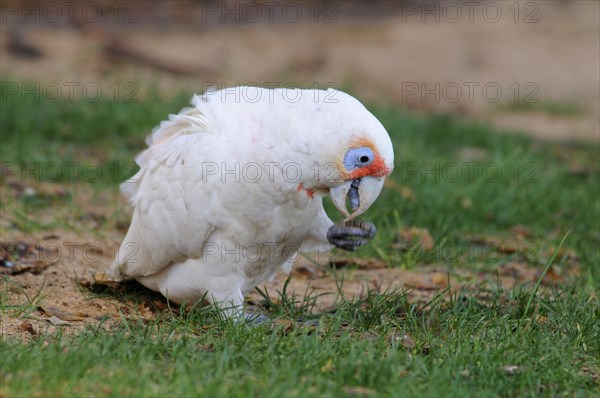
[
  {"x": 308, "y": 323},
  {"x": 351, "y": 235},
  {"x": 256, "y": 319}
]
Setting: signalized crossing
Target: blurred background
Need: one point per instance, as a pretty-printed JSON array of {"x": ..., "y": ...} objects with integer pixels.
[{"x": 531, "y": 66}]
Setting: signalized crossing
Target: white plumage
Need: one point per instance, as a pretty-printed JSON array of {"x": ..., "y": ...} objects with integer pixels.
[{"x": 231, "y": 188}]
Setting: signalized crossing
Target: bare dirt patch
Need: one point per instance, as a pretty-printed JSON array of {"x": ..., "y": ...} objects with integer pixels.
[
  {"x": 49, "y": 282},
  {"x": 66, "y": 290}
]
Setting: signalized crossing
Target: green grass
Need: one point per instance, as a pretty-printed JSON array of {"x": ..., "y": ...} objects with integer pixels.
[{"x": 457, "y": 346}]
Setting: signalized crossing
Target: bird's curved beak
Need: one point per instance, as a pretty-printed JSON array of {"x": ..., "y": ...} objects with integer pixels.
[{"x": 361, "y": 194}]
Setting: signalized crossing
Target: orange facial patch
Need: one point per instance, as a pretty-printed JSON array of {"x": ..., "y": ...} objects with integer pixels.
[{"x": 376, "y": 169}]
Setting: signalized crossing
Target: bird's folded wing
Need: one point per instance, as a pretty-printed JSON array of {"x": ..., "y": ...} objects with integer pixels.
[{"x": 171, "y": 199}]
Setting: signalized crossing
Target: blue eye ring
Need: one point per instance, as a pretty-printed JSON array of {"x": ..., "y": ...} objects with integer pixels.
[{"x": 358, "y": 157}]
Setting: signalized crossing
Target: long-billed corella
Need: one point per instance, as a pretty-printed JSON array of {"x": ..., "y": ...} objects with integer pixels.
[{"x": 230, "y": 189}]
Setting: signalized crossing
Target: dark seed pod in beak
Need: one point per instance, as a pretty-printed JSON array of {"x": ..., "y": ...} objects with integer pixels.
[{"x": 353, "y": 195}]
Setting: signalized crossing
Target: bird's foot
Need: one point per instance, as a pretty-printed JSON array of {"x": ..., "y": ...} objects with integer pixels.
[
  {"x": 255, "y": 319},
  {"x": 351, "y": 234},
  {"x": 312, "y": 323}
]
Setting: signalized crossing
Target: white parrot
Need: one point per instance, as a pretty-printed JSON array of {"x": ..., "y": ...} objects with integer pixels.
[{"x": 231, "y": 189}]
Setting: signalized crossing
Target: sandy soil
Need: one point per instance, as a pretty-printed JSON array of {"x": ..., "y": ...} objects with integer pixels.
[
  {"x": 51, "y": 281},
  {"x": 66, "y": 289}
]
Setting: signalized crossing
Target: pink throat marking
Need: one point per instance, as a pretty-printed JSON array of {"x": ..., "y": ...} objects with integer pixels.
[{"x": 309, "y": 192}]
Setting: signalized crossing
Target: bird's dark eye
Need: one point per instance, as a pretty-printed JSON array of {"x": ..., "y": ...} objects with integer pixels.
[{"x": 358, "y": 157}]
